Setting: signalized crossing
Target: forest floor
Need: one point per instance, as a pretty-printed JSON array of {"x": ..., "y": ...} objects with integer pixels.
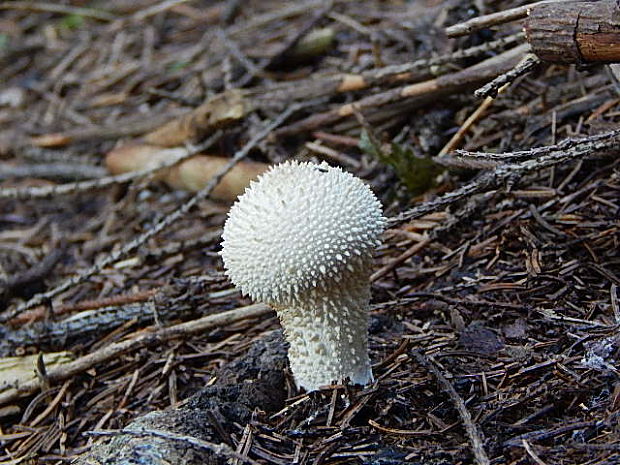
[{"x": 495, "y": 315}]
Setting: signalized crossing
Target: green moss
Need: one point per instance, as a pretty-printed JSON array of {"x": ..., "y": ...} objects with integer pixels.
[
  {"x": 177, "y": 66},
  {"x": 72, "y": 21},
  {"x": 418, "y": 174}
]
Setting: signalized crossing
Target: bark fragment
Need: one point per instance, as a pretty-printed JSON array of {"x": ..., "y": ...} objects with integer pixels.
[
  {"x": 575, "y": 32},
  {"x": 254, "y": 382}
]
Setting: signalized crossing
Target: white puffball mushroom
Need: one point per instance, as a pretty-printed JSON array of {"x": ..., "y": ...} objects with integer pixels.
[{"x": 301, "y": 239}]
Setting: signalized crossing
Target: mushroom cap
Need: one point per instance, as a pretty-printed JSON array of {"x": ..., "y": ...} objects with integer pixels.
[{"x": 298, "y": 227}]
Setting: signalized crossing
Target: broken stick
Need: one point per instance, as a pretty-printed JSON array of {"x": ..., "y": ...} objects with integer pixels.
[
  {"x": 575, "y": 32},
  {"x": 116, "y": 349}
]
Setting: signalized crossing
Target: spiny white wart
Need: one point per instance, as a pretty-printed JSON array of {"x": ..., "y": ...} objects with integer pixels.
[{"x": 301, "y": 239}]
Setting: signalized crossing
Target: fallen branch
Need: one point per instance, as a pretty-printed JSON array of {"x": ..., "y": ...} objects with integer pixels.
[
  {"x": 575, "y": 32},
  {"x": 38, "y": 313},
  {"x": 105, "y": 181},
  {"x": 93, "y": 13},
  {"x": 157, "y": 228},
  {"x": 491, "y": 89},
  {"x": 118, "y": 348},
  {"x": 20, "y": 282},
  {"x": 418, "y": 93},
  {"x": 568, "y": 32},
  {"x": 57, "y": 171},
  {"x": 551, "y": 155},
  {"x": 233, "y": 105},
  {"x": 493, "y": 19},
  {"x": 548, "y": 433},
  {"x": 475, "y": 437},
  {"x": 122, "y": 128}
]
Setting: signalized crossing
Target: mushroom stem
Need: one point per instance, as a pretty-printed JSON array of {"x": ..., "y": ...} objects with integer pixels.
[
  {"x": 301, "y": 239},
  {"x": 327, "y": 329}
]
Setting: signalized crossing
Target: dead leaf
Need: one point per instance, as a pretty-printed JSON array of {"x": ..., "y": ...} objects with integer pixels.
[{"x": 15, "y": 371}]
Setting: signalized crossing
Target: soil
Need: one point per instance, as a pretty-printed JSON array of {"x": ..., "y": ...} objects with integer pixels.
[{"x": 246, "y": 386}]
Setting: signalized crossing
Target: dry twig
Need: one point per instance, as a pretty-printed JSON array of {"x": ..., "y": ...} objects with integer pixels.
[
  {"x": 493, "y": 19},
  {"x": 116, "y": 349},
  {"x": 160, "y": 226},
  {"x": 475, "y": 437},
  {"x": 56, "y": 8},
  {"x": 105, "y": 181},
  {"x": 566, "y": 151}
]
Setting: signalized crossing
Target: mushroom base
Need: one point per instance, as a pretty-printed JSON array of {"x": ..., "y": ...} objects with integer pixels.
[{"x": 327, "y": 329}]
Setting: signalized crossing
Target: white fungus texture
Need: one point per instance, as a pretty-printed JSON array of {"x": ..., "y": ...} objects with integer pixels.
[{"x": 301, "y": 239}]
